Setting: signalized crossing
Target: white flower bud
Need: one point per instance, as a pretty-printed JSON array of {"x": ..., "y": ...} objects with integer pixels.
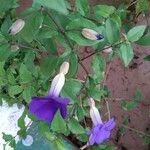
[
  {"x": 28, "y": 141},
  {"x": 57, "y": 85},
  {"x": 94, "y": 113},
  {"x": 17, "y": 26},
  {"x": 108, "y": 50},
  {"x": 91, "y": 34},
  {"x": 64, "y": 68},
  {"x": 14, "y": 48}
]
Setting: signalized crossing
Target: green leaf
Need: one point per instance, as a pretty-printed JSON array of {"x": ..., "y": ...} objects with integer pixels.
[
  {"x": 80, "y": 23},
  {"x": 136, "y": 33},
  {"x": 147, "y": 58},
  {"x": 28, "y": 92},
  {"x": 128, "y": 105},
  {"x": 6, "y": 25},
  {"x": 46, "y": 33},
  {"x": 104, "y": 10},
  {"x": 31, "y": 28},
  {"x": 137, "y": 96},
  {"x": 98, "y": 66},
  {"x": 6, "y": 5},
  {"x": 145, "y": 41},
  {"x": 14, "y": 90},
  {"x": 82, "y": 7},
  {"x": 58, "y": 124},
  {"x": 24, "y": 74},
  {"x": 11, "y": 78},
  {"x": 48, "y": 65},
  {"x": 21, "y": 125},
  {"x": 75, "y": 127},
  {"x": 142, "y": 5},
  {"x": 126, "y": 53},
  {"x": 4, "y": 52},
  {"x": 73, "y": 91},
  {"x": 112, "y": 31},
  {"x": 57, "y": 5},
  {"x": 10, "y": 139},
  {"x": 73, "y": 65}
]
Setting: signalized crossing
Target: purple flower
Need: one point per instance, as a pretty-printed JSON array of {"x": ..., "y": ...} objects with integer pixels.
[
  {"x": 101, "y": 131},
  {"x": 45, "y": 108}
]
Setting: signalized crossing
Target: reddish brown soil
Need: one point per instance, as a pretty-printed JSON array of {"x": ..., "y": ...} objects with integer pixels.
[{"x": 122, "y": 83}]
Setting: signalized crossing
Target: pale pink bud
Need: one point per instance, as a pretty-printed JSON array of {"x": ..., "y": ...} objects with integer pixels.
[
  {"x": 64, "y": 68},
  {"x": 108, "y": 50},
  {"x": 91, "y": 34},
  {"x": 57, "y": 84},
  {"x": 17, "y": 26},
  {"x": 94, "y": 113},
  {"x": 14, "y": 48}
]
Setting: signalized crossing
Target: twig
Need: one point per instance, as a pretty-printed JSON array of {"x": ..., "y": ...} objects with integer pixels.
[
  {"x": 135, "y": 130},
  {"x": 97, "y": 51},
  {"x": 108, "y": 109},
  {"x": 84, "y": 146}
]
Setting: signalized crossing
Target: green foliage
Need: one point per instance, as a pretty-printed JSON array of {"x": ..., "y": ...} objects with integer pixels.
[
  {"x": 57, "y": 5},
  {"x": 136, "y": 33},
  {"x": 75, "y": 127},
  {"x": 82, "y": 7},
  {"x": 104, "y": 10},
  {"x": 53, "y": 34},
  {"x": 129, "y": 105},
  {"x": 147, "y": 58},
  {"x": 71, "y": 89},
  {"x": 10, "y": 140},
  {"x": 112, "y": 31},
  {"x": 58, "y": 124},
  {"x": 126, "y": 53}
]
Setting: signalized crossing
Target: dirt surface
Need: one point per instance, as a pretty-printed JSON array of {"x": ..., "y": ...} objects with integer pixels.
[{"x": 122, "y": 83}]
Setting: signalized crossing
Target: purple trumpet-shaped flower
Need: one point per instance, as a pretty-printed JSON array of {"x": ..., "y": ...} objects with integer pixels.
[
  {"x": 45, "y": 108},
  {"x": 101, "y": 131}
]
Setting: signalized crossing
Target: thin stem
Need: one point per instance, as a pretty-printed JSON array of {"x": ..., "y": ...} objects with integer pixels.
[
  {"x": 135, "y": 130},
  {"x": 97, "y": 51},
  {"x": 84, "y": 146},
  {"x": 108, "y": 109},
  {"x": 27, "y": 47}
]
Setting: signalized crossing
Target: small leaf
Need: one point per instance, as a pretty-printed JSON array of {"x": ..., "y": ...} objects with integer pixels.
[
  {"x": 73, "y": 65},
  {"x": 112, "y": 31},
  {"x": 24, "y": 74},
  {"x": 145, "y": 41},
  {"x": 31, "y": 28},
  {"x": 142, "y": 5},
  {"x": 73, "y": 91},
  {"x": 98, "y": 66},
  {"x": 126, "y": 53},
  {"x": 6, "y": 5},
  {"x": 82, "y": 7},
  {"x": 57, "y": 5},
  {"x": 4, "y": 52},
  {"x": 14, "y": 90},
  {"x": 136, "y": 33},
  {"x": 147, "y": 58},
  {"x": 58, "y": 124},
  {"x": 28, "y": 92},
  {"x": 48, "y": 65},
  {"x": 128, "y": 106},
  {"x": 104, "y": 10},
  {"x": 75, "y": 127}
]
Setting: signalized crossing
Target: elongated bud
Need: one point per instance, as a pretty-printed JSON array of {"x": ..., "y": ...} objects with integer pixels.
[
  {"x": 57, "y": 85},
  {"x": 14, "y": 48},
  {"x": 108, "y": 50},
  {"x": 17, "y": 26},
  {"x": 64, "y": 68},
  {"x": 91, "y": 34},
  {"x": 94, "y": 113}
]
